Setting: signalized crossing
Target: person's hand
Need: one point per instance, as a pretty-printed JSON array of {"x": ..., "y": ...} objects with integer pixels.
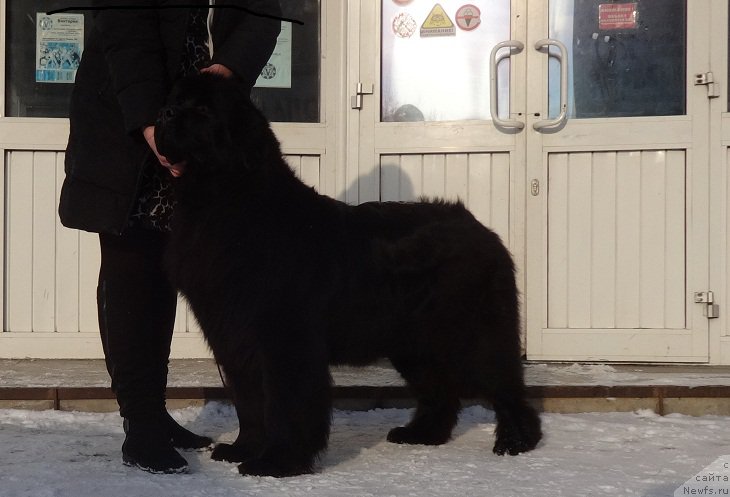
[
  {"x": 176, "y": 170},
  {"x": 218, "y": 69}
]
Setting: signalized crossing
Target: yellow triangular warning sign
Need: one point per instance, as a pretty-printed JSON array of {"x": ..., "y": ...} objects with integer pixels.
[
  {"x": 437, "y": 18},
  {"x": 437, "y": 23}
]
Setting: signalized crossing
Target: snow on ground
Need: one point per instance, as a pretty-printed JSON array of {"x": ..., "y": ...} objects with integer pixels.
[
  {"x": 63, "y": 454},
  {"x": 607, "y": 375}
]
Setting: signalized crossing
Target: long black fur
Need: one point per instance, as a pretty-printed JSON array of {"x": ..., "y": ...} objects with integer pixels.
[{"x": 285, "y": 281}]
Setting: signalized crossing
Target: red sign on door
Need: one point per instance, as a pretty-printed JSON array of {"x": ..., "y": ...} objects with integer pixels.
[{"x": 613, "y": 16}]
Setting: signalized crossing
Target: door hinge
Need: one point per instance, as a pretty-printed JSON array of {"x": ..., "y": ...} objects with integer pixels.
[
  {"x": 708, "y": 79},
  {"x": 712, "y": 310},
  {"x": 360, "y": 90}
]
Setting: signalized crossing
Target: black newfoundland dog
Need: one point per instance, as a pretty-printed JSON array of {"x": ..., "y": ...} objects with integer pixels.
[{"x": 285, "y": 282}]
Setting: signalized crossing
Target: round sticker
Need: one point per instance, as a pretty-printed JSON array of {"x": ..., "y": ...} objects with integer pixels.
[
  {"x": 402, "y": 2},
  {"x": 468, "y": 17},
  {"x": 269, "y": 71},
  {"x": 404, "y": 25}
]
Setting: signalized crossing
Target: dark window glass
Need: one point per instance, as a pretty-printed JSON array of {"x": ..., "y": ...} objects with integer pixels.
[
  {"x": 34, "y": 92},
  {"x": 626, "y": 58},
  {"x": 296, "y": 99},
  {"x": 40, "y": 57}
]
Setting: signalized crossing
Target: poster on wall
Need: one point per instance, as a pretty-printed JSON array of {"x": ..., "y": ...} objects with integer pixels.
[
  {"x": 277, "y": 71},
  {"x": 59, "y": 44}
]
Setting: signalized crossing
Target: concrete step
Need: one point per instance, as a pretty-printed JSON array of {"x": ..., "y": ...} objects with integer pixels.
[{"x": 83, "y": 385}]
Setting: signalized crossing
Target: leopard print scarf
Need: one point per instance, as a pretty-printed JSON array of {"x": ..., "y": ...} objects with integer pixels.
[{"x": 156, "y": 201}]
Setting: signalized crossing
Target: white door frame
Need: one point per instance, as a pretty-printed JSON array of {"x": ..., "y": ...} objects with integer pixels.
[{"x": 719, "y": 160}]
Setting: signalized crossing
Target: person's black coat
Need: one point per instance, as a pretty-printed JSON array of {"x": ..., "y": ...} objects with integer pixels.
[{"x": 129, "y": 64}]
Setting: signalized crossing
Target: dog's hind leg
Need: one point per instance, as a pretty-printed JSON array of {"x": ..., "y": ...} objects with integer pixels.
[
  {"x": 494, "y": 366},
  {"x": 438, "y": 405},
  {"x": 518, "y": 424}
]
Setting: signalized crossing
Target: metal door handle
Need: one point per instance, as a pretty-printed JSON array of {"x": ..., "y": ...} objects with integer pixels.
[
  {"x": 563, "y": 58},
  {"x": 515, "y": 47}
]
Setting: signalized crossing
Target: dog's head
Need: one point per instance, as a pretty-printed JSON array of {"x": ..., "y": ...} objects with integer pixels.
[{"x": 207, "y": 123}]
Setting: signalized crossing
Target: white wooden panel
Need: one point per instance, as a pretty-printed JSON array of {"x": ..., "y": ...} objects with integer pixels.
[
  {"x": 310, "y": 171},
  {"x": 434, "y": 176},
  {"x": 19, "y": 241},
  {"x": 675, "y": 314},
  {"x": 181, "y": 316},
  {"x": 77, "y": 261},
  {"x": 557, "y": 252},
  {"x": 44, "y": 231},
  {"x": 51, "y": 271},
  {"x": 390, "y": 178},
  {"x": 411, "y": 177},
  {"x": 579, "y": 240},
  {"x": 307, "y": 168},
  {"x": 67, "y": 268},
  {"x": 628, "y": 236},
  {"x": 480, "y": 180},
  {"x": 499, "y": 195},
  {"x": 480, "y": 192},
  {"x": 616, "y": 240},
  {"x": 457, "y": 177},
  {"x": 653, "y": 220},
  {"x": 295, "y": 162},
  {"x": 618, "y": 345},
  {"x": 185, "y": 321},
  {"x": 603, "y": 242}
]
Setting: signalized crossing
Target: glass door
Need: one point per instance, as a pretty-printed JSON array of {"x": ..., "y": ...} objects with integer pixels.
[
  {"x": 617, "y": 148},
  {"x": 437, "y": 110},
  {"x": 576, "y": 130}
]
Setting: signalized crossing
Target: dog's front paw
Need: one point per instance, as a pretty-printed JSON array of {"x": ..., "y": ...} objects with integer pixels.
[
  {"x": 268, "y": 466},
  {"x": 408, "y": 435},
  {"x": 229, "y": 453},
  {"x": 514, "y": 443},
  {"x": 519, "y": 432},
  {"x": 511, "y": 447}
]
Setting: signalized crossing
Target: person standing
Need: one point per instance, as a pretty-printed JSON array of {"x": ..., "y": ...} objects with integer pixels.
[{"x": 119, "y": 186}]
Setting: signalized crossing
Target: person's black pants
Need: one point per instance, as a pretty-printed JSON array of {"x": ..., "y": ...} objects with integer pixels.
[{"x": 136, "y": 316}]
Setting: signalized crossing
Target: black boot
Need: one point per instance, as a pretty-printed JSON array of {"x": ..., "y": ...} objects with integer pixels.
[
  {"x": 183, "y": 438},
  {"x": 147, "y": 447}
]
